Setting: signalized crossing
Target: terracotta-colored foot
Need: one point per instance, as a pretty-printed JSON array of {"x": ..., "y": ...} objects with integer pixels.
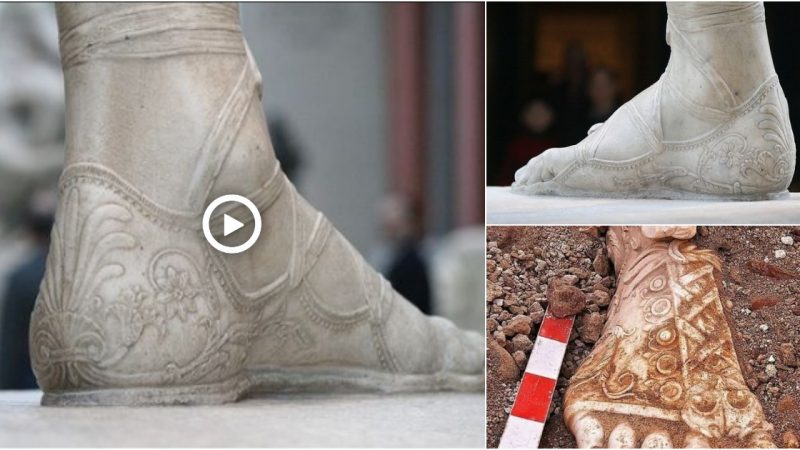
[{"x": 664, "y": 374}]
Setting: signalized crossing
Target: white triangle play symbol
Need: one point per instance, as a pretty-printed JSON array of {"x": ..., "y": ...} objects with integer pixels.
[{"x": 229, "y": 225}]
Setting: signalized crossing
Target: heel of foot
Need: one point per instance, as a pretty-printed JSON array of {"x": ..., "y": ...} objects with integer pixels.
[{"x": 127, "y": 301}]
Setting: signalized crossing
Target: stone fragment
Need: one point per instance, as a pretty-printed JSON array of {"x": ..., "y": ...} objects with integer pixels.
[
  {"x": 522, "y": 342},
  {"x": 600, "y": 264},
  {"x": 491, "y": 325},
  {"x": 780, "y": 254},
  {"x": 763, "y": 327},
  {"x": 536, "y": 313},
  {"x": 790, "y": 440},
  {"x": 763, "y": 301},
  {"x": 770, "y": 270},
  {"x": 518, "y": 325},
  {"x": 520, "y": 359},
  {"x": 493, "y": 291},
  {"x": 786, "y": 404},
  {"x": 787, "y": 240},
  {"x": 591, "y": 327},
  {"x": 566, "y": 301},
  {"x": 599, "y": 298},
  {"x": 770, "y": 370},
  {"x": 787, "y": 354},
  {"x": 499, "y": 337},
  {"x": 504, "y": 364}
]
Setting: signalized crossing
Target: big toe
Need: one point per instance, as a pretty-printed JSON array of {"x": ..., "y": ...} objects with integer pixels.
[{"x": 544, "y": 167}]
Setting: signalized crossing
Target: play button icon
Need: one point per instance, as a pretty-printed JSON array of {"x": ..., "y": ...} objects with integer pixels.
[{"x": 230, "y": 224}]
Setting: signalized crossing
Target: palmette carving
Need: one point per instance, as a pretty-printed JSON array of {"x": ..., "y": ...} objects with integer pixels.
[
  {"x": 666, "y": 355},
  {"x": 94, "y": 310}
]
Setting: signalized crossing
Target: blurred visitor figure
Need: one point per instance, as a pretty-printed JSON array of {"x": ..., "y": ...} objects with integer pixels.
[
  {"x": 20, "y": 295},
  {"x": 570, "y": 94},
  {"x": 535, "y": 136},
  {"x": 285, "y": 145},
  {"x": 401, "y": 260},
  {"x": 603, "y": 97}
]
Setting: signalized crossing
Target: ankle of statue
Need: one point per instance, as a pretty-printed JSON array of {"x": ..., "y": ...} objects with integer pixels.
[
  {"x": 701, "y": 16},
  {"x": 151, "y": 31}
]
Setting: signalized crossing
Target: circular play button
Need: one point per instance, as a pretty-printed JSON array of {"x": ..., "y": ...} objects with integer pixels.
[{"x": 230, "y": 225}]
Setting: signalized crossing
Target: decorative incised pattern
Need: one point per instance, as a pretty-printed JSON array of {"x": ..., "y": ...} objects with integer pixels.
[{"x": 667, "y": 351}]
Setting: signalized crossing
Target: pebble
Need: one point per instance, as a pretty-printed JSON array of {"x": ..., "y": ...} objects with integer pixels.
[
  {"x": 507, "y": 369},
  {"x": 779, "y": 254},
  {"x": 600, "y": 264},
  {"x": 566, "y": 300},
  {"x": 787, "y": 354},
  {"x": 599, "y": 298},
  {"x": 786, "y": 404},
  {"x": 536, "y": 313},
  {"x": 591, "y": 327},
  {"x": 771, "y": 370},
  {"x": 787, "y": 240},
  {"x": 520, "y": 359},
  {"x": 518, "y": 325},
  {"x": 771, "y": 359},
  {"x": 790, "y": 440},
  {"x": 764, "y": 327},
  {"x": 522, "y": 342}
]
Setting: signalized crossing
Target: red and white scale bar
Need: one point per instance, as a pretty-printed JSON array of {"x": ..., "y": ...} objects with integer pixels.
[{"x": 526, "y": 421}]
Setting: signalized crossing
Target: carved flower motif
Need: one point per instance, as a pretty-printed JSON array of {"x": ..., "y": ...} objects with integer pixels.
[
  {"x": 176, "y": 293},
  {"x": 730, "y": 156}
]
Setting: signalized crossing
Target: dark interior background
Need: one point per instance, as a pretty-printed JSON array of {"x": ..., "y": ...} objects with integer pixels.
[{"x": 526, "y": 44}]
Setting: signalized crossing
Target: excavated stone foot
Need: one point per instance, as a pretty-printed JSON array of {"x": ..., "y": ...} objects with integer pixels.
[{"x": 664, "y": 373}]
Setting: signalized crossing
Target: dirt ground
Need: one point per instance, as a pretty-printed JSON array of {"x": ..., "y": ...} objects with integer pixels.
[{"x": 761, "y": 277}]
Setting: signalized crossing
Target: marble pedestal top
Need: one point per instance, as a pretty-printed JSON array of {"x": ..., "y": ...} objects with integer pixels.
[
  {"x": 506, "y": 207},
  {"x": 357, "y": 420}
]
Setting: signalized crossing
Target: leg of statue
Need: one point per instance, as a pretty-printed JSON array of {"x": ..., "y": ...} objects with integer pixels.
[
  {"x": 665, "y": 372},
  {"x": 163, "y": 116},
  {"x": 715, "y": 125}
]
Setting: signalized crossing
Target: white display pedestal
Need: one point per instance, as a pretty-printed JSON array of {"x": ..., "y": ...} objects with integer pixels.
[{"x": 356, "y": 420}]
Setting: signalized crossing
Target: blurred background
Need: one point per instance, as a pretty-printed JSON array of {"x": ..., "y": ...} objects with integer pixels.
[
  {"x": 555, "y": 69},
  {"x": 375, "y": 111}
]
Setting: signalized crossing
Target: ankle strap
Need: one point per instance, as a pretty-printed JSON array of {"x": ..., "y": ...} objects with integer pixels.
[
  {"x": 153, "y": 31},
  {"x": 700, "y": 16}
]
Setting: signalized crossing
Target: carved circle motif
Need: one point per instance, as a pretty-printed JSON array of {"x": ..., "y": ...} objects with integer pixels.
[{"x": 671, "y": 391}]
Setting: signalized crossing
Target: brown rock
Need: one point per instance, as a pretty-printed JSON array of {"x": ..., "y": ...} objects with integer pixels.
[
  {"x": 493, "y": 291},
  {"x": 787, "y": 354},
  {"x": 502, "y": 362},
  {"x": 518, "y": 325},
  {"x": 786, "y": 403},
  {"x": 491, "y": 325},
  {"x": 599, "y": 298},
  {"x": 762, "y": 301},
  {"x": 522, "y": 343},
  {"x": 770, "y": 270},
  {"x": 591, "y": 327},
  {"x": 499, "y": 337},
  {"x": 566, "y": 301},
  {"x": 790, "y": 440},
  {"x": 536, "y": 313},
  {"x": 520, "y": 359},
  {"x": 600, "y": 264}
]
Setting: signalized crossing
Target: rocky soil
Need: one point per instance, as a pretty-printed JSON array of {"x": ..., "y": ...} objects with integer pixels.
[{"x": 527, "y": 267}]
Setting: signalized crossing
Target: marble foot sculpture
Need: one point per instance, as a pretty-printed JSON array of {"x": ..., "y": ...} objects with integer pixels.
[
  {"x": 664, "y": 373},
  {"x": 163, "y": 116},
  {"x": 715, "y": 125}
]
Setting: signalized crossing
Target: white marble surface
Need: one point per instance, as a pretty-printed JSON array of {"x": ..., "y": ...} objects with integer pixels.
[
  {"x": 418, "y": 420},
  {"x": 505, "y": 207}
]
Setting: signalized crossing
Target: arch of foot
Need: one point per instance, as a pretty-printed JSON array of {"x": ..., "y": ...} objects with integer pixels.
[{"x": 664, "y": 373}]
